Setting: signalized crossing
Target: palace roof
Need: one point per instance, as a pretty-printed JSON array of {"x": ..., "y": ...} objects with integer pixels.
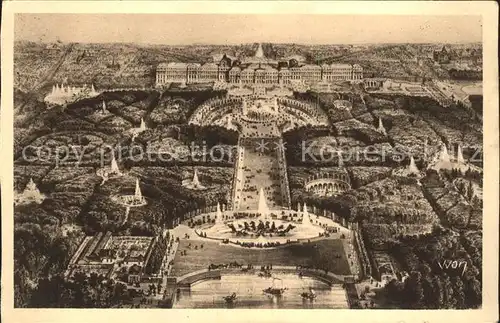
[
  {"x": 209, "y": 65},
  {"x": 177, "y": 65},
  {"x": 310, "y": 67},
  {"x": 338, "y": 65}
]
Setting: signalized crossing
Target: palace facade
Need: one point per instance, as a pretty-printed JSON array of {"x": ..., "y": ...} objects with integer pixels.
[{"x": 258, "y": 72}]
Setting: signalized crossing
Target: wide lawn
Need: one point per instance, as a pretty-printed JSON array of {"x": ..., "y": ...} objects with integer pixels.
[{"x": 319, "y": 254}]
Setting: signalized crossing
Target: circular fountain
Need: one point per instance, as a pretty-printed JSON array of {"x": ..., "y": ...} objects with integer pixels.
[
  {"x": 135, "y": 200},
  {"x": 193, "y": 184},
  {"x": 261, "y": 227}
]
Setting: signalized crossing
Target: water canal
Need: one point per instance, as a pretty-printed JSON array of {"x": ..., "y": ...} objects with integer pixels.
[{"x": 249, "y": 291}]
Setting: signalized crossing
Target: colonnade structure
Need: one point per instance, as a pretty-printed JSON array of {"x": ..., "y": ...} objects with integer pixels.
[
  {"x": 255, "y": 108},
  {"x": 329, "y": 184},
  {"x": 213, "y": 109}
]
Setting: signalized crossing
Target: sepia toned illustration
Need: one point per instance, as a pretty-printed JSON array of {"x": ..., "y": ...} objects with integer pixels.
[{"x": 251, "y": 162}]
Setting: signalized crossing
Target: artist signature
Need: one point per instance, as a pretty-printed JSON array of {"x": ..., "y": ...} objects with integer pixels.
[{"x": 453, "y": 264}]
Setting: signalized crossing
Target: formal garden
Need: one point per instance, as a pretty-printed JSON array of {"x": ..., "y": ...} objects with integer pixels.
[
  {"x": 329, "y": 254},
  {"x": 401, "y": 216}
]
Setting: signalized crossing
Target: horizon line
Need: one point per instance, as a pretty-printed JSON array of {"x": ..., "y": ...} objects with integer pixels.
[{"x": 248, "y": 43}]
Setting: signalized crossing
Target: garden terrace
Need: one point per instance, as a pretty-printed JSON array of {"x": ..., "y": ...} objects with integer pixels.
[
  {"x": 324, "y": 254},
  {"x": 311, "y": 112},
  {"x": 261, "y": 169},
  {"x": 213, "y": 109},
  {"x": 327, "y": 103},
  {"x": 263, "y": 129}
]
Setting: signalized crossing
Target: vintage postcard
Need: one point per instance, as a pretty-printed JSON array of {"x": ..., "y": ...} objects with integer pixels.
[{"x": 312, "y": 160}]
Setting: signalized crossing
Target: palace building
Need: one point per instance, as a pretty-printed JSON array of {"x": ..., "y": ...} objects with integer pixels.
[{"x": 256, "y": 70}]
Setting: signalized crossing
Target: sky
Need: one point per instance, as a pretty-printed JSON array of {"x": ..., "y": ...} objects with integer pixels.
[{"x": 181, "y": 29}]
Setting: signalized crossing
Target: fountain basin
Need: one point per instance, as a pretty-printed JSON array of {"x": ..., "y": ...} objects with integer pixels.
[
  {"x": 130, "y": 200},
  {"x": 223, "y": 231}
]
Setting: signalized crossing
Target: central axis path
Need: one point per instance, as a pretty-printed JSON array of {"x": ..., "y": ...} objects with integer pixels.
[{"x": 261, "y": 164}]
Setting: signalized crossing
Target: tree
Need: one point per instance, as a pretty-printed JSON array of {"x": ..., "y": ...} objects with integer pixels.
[
  {"x": 97, "y": 220},
  {"x": 413, "y": 291},
  {"x": 437, "y": 292},
  {"x": 470, "y": 192},
  {"x": 458, "y": 295},
  {"x": 425, "y": 270},
  {"x": 476, "y": 202},
  {"x": 395, "y": 289},
  {"x": 429, "y": 292},
  {"x": 471, "y": 273},
  {"x": 448, "y": 299},
  {"x": 473, "y": 295}
]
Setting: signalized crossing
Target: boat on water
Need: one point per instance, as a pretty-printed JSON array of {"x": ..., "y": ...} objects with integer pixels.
[
  {"x": 276, "y": 291},
  {"x": 230, "y": 299},
  {"x": 309, "y": 295}
]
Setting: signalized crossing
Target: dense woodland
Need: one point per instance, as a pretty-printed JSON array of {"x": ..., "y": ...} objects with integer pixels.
[
  {"x": 434, "y": 283},
  {"x": 418, "y": 225},
  {"x": 465, "y": 75}
]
